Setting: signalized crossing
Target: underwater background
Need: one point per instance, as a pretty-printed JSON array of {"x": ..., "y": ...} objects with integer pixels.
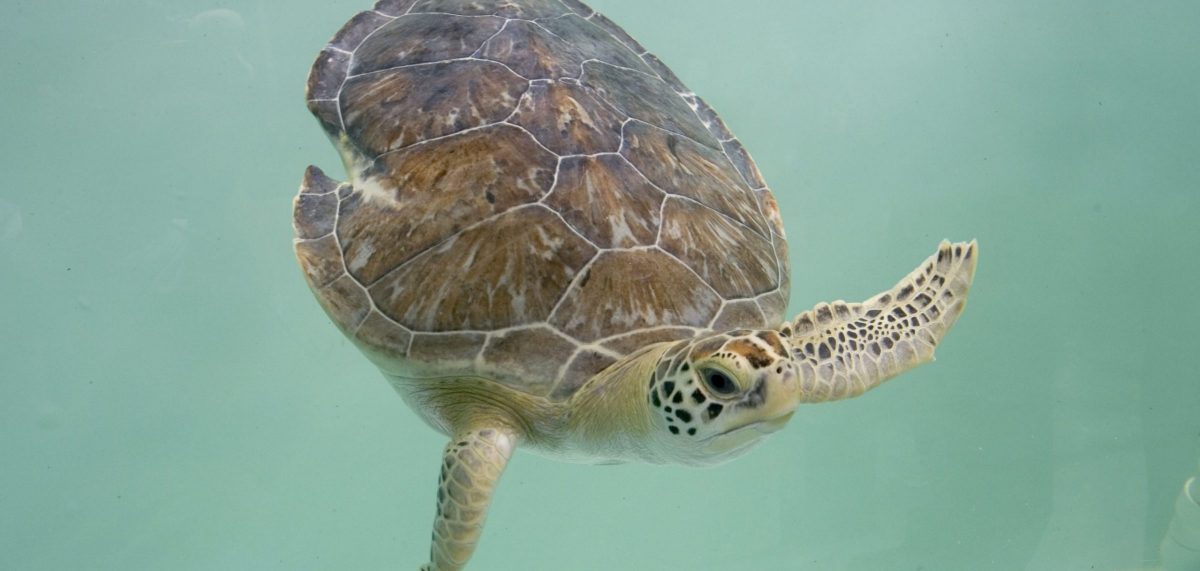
[{"x": 172, "y": 396}]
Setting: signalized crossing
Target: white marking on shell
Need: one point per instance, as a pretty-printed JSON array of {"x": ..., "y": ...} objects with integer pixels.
[
  {"x": 452, "y": 117},
  {"x": 551, "y": 244},
  {"x": 621, "y": 231},
  {"x": 506, "y": 99},
  {"x": 372, "y": 189},
  {"x": 565, "y": 117},
  {"x": 618, "y": 222},
  {"x": 362, "y": 256}
]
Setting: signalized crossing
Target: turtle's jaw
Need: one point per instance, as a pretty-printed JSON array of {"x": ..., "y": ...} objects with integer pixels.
[
  {"x": 762, "y": 427},
  {"x": 773, "y": 425},
  {"x": 734, "y": 442}
]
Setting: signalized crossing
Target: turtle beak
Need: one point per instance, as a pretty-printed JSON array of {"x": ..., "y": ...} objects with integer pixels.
[
  {"x": 737, "y": 441},
  {"x": 772, "y": 425},
  {"x": 762, "y": 427}
]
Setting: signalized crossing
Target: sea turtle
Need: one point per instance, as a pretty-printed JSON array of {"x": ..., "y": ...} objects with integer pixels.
[{"x": 548, "y": 242}]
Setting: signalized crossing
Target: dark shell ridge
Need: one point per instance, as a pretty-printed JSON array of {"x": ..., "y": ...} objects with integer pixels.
[{"x": 525, "y": 175}]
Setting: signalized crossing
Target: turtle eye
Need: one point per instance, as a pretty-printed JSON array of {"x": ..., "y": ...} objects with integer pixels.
[{"x": 719, "y": 382}]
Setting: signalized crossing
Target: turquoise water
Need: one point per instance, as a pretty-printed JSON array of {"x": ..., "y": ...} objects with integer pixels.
[{"x": 171, "y": 397}]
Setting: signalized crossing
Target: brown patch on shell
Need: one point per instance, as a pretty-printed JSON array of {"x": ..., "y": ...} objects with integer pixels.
[
  {"x": 679, "y": 166},
  {"x": 734, "y": 260},
  {"x": 397, "y": 108},
  {"x": 743, "y": 314},
  {"x": 507, "y": 357},
  {"x": 327, "y": 73},
  {"x": 770, "y": 209},
  {"x": 568, "y": 119},
  {"x": 321, "y": 261},
  {"x": 595, "y": 42},
  {"x": 437, "y": 189},
  {"x": 423, "y": 38},
  {"x": 607, "y": 201},
  {"x": 533, "y": 52},
  {"x": 646, "y": 98},
  {"x": 524, "y": 9},
  {"x": 506, "y": 272},
  {"x": 629, "y": 290}
]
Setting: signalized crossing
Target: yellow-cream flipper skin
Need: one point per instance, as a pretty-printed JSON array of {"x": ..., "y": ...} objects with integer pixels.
[{"x": 547, "y": 242}]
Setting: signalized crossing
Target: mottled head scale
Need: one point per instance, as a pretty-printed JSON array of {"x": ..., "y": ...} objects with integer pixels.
[{"x": 717, "y": 395}]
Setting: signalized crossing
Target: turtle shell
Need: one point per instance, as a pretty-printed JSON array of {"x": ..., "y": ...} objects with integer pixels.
[{"x": 532, "y": 197}]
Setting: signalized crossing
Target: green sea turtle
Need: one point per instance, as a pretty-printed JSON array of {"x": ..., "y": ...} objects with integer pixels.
[{"x": 548, "y": 242}]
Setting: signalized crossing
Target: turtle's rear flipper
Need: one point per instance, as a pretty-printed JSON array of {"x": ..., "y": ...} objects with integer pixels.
[
  {"x": 471, "y": 468},
  {"x": 845, "y": 349}
]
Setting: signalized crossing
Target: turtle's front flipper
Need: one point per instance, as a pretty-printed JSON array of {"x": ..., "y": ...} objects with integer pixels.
[
  {"x": 843, "y": 350},
  {"x": 471, "y": 467}
]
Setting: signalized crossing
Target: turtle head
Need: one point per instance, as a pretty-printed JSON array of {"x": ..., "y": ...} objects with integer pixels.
[{"x": 713, "y": 398}]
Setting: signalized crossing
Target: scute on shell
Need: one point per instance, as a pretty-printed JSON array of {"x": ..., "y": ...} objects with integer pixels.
[
  {"x": 400, "y": 107},
  {"x": 569, "y": 119},
  {"x": 532, "y": 196},
  {"x": 508, "y": 272}
]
